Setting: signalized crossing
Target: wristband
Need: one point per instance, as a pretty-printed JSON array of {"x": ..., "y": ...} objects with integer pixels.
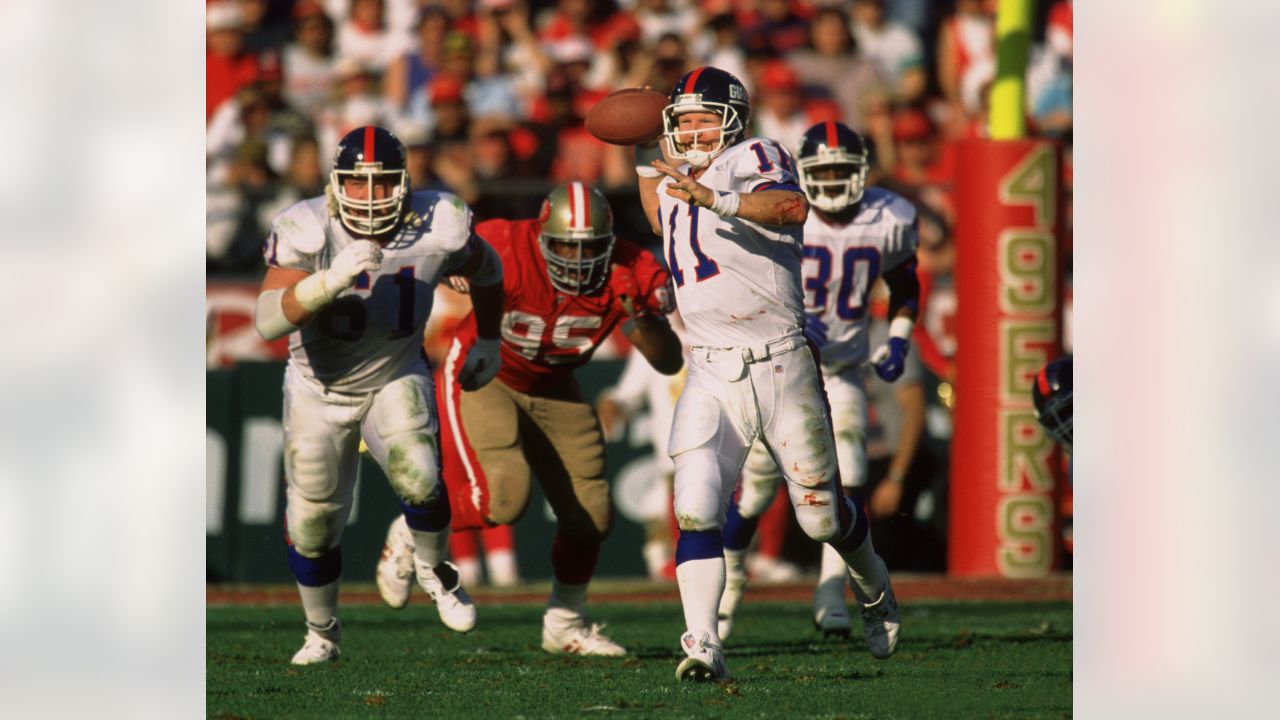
[
  {"x": 901, "y": 328},
  {"x": 312, "y": 293},
  {"x": 726, "y": 204},
  {"x": 269, "y": 317}
]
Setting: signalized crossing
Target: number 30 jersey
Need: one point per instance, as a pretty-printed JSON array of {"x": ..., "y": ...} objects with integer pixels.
[
  {"x": 842, "y": 263},
  {"x": 737, "y": 282},
  {"x": 372, "y": 332},
  {"x": 546, "y": 334}
]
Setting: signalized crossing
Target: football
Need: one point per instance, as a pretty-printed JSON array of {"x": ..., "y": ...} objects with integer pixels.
[{"x": 627, "y": 117}]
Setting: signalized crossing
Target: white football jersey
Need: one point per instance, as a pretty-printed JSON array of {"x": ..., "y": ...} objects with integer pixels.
[
  {"x": 842, "y": 262},
  {"x": 737, "y": 282},
  {"x": 372, "y": 332}
]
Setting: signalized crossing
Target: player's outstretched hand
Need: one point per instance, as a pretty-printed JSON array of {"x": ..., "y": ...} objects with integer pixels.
[
  {"x": 684, "y": 187},
  {"x": 482, "y": 364},
  {"x": 815, "y": 330},
  {"x": 623, "y": 280},
  {"x": 890, "y": 359},
  {"x": 358, "y": 257}
]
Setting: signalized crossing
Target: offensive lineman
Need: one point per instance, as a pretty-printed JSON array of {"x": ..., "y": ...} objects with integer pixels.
[
  {"x": 733, "y": 229},
  {"x": 856, "y": 235},
  {"x": 350, "y": 278},
  {"x": 569, "y": 283}
]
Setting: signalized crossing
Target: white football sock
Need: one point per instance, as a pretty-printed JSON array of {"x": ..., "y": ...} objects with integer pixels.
[
  {"x": 831, "y": 578},
  {"x": 701, "y": 585},
  {"x": 867, "y": 571},
  {"x": 319, "y": 603},
  {"x": 431, "y": 548}
]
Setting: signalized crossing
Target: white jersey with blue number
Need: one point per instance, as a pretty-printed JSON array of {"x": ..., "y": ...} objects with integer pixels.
[
  {"x": 737, "y": 282},
  {"x": 842, "y": 262},
  {"x": 371, "y": 333}
]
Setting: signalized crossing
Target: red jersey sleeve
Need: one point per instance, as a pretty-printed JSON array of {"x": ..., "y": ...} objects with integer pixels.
[{"x": 652, "y": 281}]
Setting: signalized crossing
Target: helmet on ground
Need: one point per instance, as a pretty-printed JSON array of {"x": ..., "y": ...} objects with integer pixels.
[
  {"x": 372, "y": 157},
  {"x": 1051, "y": 393},
  {"x": 706, "y": 89},
  {"x": 576, "y": 238},
  {"x": 832, "y": 166}
]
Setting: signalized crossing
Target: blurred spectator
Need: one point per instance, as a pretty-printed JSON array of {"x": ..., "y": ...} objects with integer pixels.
[
  {"x": 228, "y": 66},
  {"x": 238, "y": 211},
  {"x": 462, "y": 18},
  {"x": 262, "y": 29},
  {"x": 877, "y": 113},
  {"x": 924, "y": 165},
  {"x": 419, "y": 157},
  {"x": 661, "y": 17},
  {"x": 416, "y": 67},
  {"x": 363, "y": 36},
  {"x": 781, "y": 112},
  {"x": 831, "y": 65},
  {"x": 724, "y": 45},
  {"x": 506, "y": 44},
  {"x": 308, "y": 61},
  {"x": 663, "y": 67},
  {"x": 778, "y": 28},
  {"x": 966, "y": 48},
  {"x": 305, "y": 176},
  {"x": 243, "y": 117},
  {"x": 483, "y": 95},
  {"x": 1049, "y": 75},
  {"x": 599, "y": 20},
  {"x": 893, "y": 48},
  {"x": 358, "y": 103}
]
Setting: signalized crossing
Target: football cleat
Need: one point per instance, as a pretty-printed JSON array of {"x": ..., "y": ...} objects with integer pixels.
[
  {"x": 881, "y": 623},
  {"x": 575, "y": 637},
  {"x": 321, "y": 644},
  {"x": 832, "y": 619},
  {"x": 705, "y": 661},
  {"x": 771, "y": 570},
  {"x": 735, "y": 583},
  {"x": 442, "y": 583},
  {"x": 395, "y": 568}
]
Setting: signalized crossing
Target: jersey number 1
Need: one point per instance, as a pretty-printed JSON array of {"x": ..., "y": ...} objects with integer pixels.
[{"x": 706, "y": 267}]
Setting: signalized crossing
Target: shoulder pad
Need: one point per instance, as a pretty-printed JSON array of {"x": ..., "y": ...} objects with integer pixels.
[
  {"x": 302, "y": 225},
  {"x": 445, "y": 218}
]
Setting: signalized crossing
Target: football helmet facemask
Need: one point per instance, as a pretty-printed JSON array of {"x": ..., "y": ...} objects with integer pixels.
[
  {"x": 576, "y": 238},
  {"x": 706, "y": 89},
  {"x": 376, "y": 156},
  {"x": 832, "y": 148},
  {"x": 1051, "y": 393}
]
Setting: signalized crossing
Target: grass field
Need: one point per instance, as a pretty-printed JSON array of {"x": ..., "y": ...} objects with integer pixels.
[{"x": 970, "y": 659}]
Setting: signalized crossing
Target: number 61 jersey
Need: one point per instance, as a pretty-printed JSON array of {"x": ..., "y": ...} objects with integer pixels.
[
  {"x": 842, "y": 263},
  {"x": 372, "y": 332}
]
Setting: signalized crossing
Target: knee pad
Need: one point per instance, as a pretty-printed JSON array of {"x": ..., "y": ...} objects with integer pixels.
[
  {"x": 314, "y": 527},
  {"x": 508, "y": 480},
  {"x": 817, "y": 512},
  {"x": 412, "y": 467},
  {"x": 699, "y": 504},
  {"x": 311, "y": 464}
]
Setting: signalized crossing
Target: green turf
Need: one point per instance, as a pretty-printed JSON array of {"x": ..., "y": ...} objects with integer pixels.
[{"x": 955, "y": 660}]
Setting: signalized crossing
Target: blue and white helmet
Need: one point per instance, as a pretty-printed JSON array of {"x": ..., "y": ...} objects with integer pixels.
[{"x": 706, "y": 89}]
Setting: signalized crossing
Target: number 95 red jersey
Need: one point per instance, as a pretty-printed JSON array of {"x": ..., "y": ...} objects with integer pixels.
[{"x": 546, "y": 334}]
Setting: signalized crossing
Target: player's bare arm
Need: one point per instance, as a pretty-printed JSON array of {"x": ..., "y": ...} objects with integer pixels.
[
  {"x": 653, "y": 337},
  {"x": 767, "y": 207}
]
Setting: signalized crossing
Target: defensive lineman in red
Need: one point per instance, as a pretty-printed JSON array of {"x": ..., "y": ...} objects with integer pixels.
[{"x": 568, "y": 284}]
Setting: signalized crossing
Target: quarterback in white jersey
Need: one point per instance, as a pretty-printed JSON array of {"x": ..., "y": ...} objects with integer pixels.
[
  {"x": 732, "y": 218},
  {"x": 350, "y": 278},
  {"x": 855, "y": 236}
]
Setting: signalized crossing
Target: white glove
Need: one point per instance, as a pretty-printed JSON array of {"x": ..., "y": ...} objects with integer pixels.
[
  {"x": 482, "y": 364},
  {"x": 360, "y": 256},
  {"x": 319, "y": 289}
]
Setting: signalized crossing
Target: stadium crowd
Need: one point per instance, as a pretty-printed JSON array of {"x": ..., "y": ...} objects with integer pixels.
[{"x": 489, "y": 97}]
